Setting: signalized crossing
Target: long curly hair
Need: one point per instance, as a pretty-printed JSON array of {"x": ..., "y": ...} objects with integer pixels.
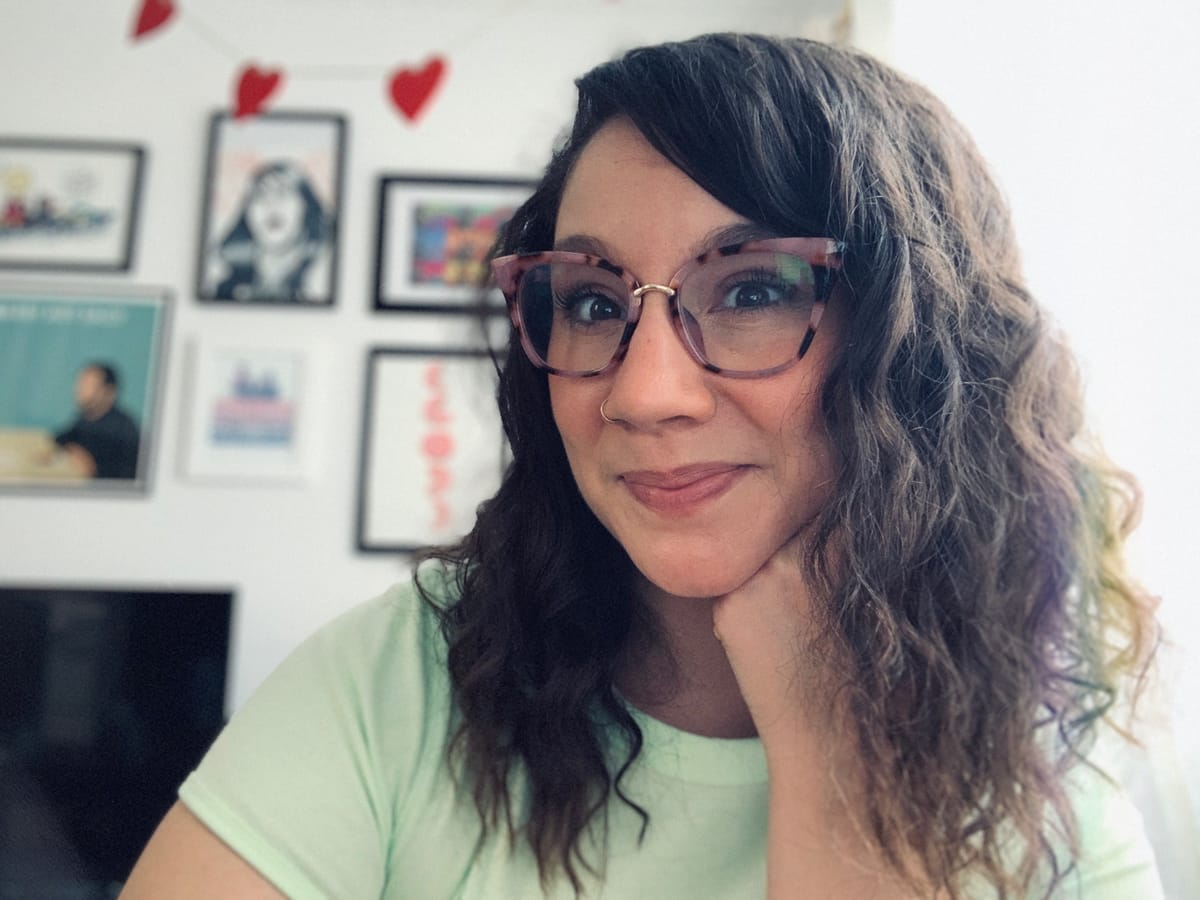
[{"x": 969, "y": 559}]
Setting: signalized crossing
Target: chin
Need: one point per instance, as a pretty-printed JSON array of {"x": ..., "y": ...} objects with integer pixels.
[{"x": 692, "y": 578}]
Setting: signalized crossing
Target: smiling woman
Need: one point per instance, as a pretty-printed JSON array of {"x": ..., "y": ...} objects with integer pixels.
[
  {"x": 801, "y": 581},
  {"x": 703, "y": 477}
]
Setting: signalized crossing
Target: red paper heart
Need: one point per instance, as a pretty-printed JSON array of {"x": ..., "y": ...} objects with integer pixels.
[
  {"x": 253, "y": 88},
  {"x": 411, "y": 90},
  {"x": 153, "y": 14}
]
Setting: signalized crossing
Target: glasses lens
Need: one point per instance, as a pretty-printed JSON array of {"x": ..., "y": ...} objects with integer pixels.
[
  {"x": 749, "y": 311},
  {"x": 573, "y": 314}
]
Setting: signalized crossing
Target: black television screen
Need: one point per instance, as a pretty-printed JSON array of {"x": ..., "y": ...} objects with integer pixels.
[{"x": 108, "y": 698}]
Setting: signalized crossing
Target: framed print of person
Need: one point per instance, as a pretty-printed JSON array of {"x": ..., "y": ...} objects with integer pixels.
[
  {"x": 80, "y": 379},
  {"x": 272, "y": 193}
]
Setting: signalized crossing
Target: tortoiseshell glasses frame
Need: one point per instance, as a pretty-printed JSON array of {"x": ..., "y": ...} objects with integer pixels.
[{"x": 576, "y": 313}]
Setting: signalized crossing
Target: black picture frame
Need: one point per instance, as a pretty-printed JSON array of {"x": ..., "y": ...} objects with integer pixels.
[
  {"x": 69, "y": 205},
  {"x": 271, "y": 210},
  {"x": 432, "y": 235},
  {"x": 432, "y": 446},
  {"x": 49, "y": 336}
]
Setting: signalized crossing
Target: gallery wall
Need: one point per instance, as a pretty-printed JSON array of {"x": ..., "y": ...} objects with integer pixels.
[{"x": 289, "y": 548}]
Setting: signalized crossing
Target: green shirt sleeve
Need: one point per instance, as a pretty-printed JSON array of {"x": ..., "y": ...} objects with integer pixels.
[{"x": 307, "y": 779}]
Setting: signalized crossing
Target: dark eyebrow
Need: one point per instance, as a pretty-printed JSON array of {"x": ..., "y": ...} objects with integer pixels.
[{"x": 734, "y": 234}]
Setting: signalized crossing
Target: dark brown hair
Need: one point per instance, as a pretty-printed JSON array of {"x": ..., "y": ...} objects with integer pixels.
[{"x": 977, "y": 595}]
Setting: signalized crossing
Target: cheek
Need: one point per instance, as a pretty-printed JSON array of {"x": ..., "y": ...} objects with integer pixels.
[
  {"x": 292, "y": 209},
  {"x": 574, "y": 412},
  {"x": 579, "y": 425},
  {"x": 815, "y": 461}
]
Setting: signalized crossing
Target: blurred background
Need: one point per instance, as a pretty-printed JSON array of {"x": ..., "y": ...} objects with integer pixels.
[{"x": 1088, "y": 112}]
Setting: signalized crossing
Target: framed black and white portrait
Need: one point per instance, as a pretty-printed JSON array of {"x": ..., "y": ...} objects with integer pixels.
[{"x": 272, "y": 200}]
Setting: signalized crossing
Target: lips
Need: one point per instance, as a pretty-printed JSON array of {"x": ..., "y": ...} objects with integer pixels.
[{"x": 681, "y": 491}]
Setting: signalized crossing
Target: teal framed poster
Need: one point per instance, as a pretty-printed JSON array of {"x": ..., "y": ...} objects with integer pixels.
[{"x": 80, "y": 378}]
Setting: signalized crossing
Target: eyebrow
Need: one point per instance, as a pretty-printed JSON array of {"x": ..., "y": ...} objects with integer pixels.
[{"x": 723, "y": 236}]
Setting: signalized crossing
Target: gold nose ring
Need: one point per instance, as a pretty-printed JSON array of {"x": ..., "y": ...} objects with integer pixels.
[{"x": 604, "y": 415}]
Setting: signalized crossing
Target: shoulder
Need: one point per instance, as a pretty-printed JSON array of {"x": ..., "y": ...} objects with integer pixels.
[
  {"x": 126, "y": 420},
  {"x": 358, "y": 715},
  {"x": 116, "y": 423},
  {"x": 384, "y": 657}
]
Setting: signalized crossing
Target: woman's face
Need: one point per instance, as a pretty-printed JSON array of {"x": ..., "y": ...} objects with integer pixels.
[
  {"x": 275, "y": 213},
  {"x": 703, "y": 477}
]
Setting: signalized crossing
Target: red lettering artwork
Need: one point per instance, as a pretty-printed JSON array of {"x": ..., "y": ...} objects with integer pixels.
[{"x": 437, "y": 446}]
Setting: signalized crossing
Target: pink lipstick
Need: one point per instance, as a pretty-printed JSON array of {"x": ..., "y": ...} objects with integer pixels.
[{"x": 682, "y": 491}]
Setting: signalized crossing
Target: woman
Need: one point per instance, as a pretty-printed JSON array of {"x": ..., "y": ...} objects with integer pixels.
[
  {"x": 800, "y": 581},
  {"x": 280, "y": 232}
]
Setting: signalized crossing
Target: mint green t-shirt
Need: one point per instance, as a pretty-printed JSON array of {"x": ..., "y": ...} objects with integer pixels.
[{"x": 332, "y": 782}]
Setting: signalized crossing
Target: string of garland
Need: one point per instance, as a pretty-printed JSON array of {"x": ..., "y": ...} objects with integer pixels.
[{"x": 410, "y": 88}]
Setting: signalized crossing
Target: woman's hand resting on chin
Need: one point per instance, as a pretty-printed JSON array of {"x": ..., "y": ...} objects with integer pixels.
[
  {"x": 817, "y": 845},
  {"x": 765, "y": 627}
]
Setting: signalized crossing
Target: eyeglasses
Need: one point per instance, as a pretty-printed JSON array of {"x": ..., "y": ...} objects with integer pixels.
[{"x": 745, "y": 311}]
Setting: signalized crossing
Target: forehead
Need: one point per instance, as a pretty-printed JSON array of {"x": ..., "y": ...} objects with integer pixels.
[
  {"x": 276, "y": 182},
  {"x": 91, "y": 376},
  {"x": 623, "y": 194}
]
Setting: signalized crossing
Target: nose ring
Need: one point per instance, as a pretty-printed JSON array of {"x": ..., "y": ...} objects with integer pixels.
[{"x": 604, "y": 415}]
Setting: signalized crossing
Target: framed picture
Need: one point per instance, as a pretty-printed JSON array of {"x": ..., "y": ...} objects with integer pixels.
[
  {"x": 432, "y": 446},
  {"x": 80, "y": 376},
  {"x": 433, "y": 238},
  {"x": 272, "y": 200},
  {"x": 255, "y": 411},
  {"x": 68, "y": 205}
]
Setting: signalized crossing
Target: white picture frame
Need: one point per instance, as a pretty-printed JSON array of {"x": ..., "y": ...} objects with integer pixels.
[
  {"x": 432, "y": 448},
  {"x": 254, "y": 411}
]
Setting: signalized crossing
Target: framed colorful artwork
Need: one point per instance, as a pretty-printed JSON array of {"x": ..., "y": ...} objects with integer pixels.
[
  {"x": 255, "y": 411},
  {"x": 271, "y": 210},
  {"x": 80, "y": 376},
  {"x": 432, "y": 447},
  {"x": 433, "y": 237},
  {"x": 68, "y": 205}
]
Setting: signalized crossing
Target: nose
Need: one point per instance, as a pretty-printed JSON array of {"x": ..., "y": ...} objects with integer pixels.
[{"x": 658, "y": 381}]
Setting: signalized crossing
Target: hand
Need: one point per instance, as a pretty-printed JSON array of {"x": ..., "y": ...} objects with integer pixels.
[
  {"x": 80, "y": 461},
  {"x": 817, "y": 844},
  {"x": 765, "y": 627}
]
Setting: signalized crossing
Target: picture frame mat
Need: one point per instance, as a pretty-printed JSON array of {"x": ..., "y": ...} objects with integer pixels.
[{"x": 252, "y": 434}]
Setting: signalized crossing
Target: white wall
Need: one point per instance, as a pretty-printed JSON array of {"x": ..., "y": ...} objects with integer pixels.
[{"x": 1088, "y": 111}]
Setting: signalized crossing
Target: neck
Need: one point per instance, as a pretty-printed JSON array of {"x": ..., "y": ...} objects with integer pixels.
[
  {"x": 680, "y": 674},
  {"x": 96, "y": 410},
  {"x": 276, "y": 263}
]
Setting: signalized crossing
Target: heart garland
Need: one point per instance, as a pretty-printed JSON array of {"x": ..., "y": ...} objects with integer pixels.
[
  {"x": 409, "y": 89},
  {"x": 254, "y": 88},
  {"x": 153, "y": 15}
]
